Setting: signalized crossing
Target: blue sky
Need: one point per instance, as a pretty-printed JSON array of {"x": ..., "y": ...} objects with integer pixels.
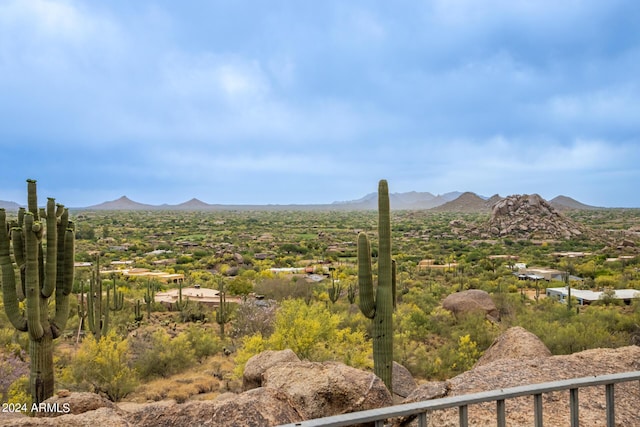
[{"x": 249, "y": 102}]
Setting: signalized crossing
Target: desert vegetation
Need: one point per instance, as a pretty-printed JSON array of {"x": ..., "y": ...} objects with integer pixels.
[{"x": 289, "y": 279}]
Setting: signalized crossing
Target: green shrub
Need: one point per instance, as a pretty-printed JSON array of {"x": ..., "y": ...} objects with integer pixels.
[
  {"x": 203, "y": 341},
  {"x": 313, "y": 333},
  {"x": 104, "y": 366},
  {"x": 160, "y": 355}
]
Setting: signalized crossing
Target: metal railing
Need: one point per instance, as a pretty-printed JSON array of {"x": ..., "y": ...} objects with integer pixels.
[{"x": 462, "y": 402}]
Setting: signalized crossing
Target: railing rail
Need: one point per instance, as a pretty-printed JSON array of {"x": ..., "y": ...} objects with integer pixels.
[{"x": 462, "y": 402}]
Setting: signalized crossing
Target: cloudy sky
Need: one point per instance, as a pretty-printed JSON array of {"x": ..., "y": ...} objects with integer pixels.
[{"x": 256, "y": 102}]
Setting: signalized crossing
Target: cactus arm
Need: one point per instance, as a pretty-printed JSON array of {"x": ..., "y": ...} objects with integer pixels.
[
  {"x": 365, "y": 277},
  {"x": 32, "y": 277},
  {"x": 64, "y": 283},
  {"x": 9, "y": 293},
  {"x": 118, "y": 297},
  {"x": 149, "y": 298},
  {"x": 91, "y": 314},
  {"x": 17, "y": 239},
  {"x": 32, "y": 198},
  {"x": 68, "y": 264},
  {"x": 52, "y": 248},
  {"x": 137, "y": 312},
  {"x": 104, "y": 328}
]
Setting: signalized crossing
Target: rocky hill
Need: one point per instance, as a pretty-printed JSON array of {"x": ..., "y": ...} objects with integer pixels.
[
  {"x": 567, "y": 203},
  {"x": 530, "y": 216},
  {"x": 9, "y": 206},
  {"x": 466, "y": 203},
  {"x": 122, "y": 204}
]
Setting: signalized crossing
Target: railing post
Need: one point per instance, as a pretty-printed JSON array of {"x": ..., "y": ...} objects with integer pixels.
[
  {"x": 502, "y": 419},
  {"x": 537, "y": 410},
  {"x": 611, "y": 405},
  {"x": 574, "y": 405},
  {"x": 463, "y": 413},
  {"x": 422, "y": 419}
]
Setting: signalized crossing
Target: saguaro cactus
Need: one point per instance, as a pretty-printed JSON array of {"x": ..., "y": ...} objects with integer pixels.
[
  {"x": 379, "y": 308},
  {"x": 149, "y": 297},
  {"x": 97, "y": 312},
  {"x": 223, "y": 313},
  {"x": 137, "y": 313},
  {"x": 42, "y": 275}
]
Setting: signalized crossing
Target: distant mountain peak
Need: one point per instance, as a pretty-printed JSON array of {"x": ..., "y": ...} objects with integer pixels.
[
  {"x": 193, "y": 204},
  {"x": 123, "y": 203},
  {"x": 466, "y": 202},
  {"x": 567, "y": 203}
]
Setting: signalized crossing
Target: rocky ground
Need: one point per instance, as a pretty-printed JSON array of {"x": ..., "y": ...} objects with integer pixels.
[{"x": 282, "y": 389}]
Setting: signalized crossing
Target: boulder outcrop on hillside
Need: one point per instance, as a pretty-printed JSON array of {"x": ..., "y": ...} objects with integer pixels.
[
  {"x": 470, "y": 301},
  {"x": 530, "y": 216},
  {"x": 514, "y": 343}
]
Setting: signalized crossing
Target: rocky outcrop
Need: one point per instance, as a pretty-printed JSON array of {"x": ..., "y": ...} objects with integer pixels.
[
  {"x": 329, "y": 388},
  {"x": 102, "y": 417},
  {"x": 508, "y": 372},
  {"x": 75, "y": 403},
  {"x": 403, "y": 381},
  {"x": 258, "y": 365},
  {"x": 530, "y": 216},
  {"x": 515, "y": 343},
  {"x": 257, "y": 407},
  {"x": 470, "y": 301}
]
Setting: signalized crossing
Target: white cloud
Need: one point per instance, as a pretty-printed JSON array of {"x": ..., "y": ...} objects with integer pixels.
[
  {"x": 214, "y": 78},
  {"x": 55, "y": 33},
  {"x": 614, "y": 106}
]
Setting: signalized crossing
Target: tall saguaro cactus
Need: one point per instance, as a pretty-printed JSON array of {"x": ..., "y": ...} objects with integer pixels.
[
  {"x": 223, "y": 313},
  {"x": 379, "y": 308},
  {"x": 97, "y": 312},
  {"x": 42, "y": 276}
]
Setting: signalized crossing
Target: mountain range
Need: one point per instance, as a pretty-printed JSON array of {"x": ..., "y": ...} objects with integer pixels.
[{"x": 449, "y": 202}]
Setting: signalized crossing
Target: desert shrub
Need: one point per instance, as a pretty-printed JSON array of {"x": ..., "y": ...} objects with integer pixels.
[
  {"x": 13, "y": 365},
  {"x": 254, "y": 316},
  {"x": 280, "y": 288},
  {"x": 565, "y": 331},
  {"x": 203, "y": 341},
  {"x": 162, "y": 356},
  {"x": 313, "y": 333},
  {"x": 19, "y": 394},
  {"x": 104, "y": 366}
]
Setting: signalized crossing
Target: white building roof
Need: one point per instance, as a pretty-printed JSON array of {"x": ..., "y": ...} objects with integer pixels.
[{"x": 588, "y": 295}]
